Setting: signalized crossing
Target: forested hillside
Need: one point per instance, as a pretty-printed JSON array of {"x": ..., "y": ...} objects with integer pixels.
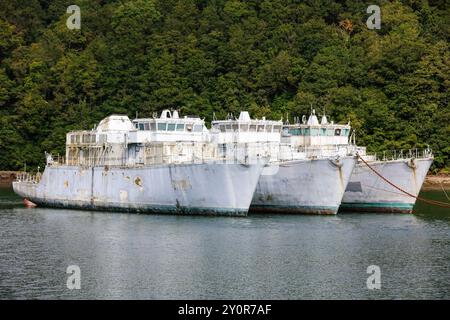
[{"x": 272, "y": 58}]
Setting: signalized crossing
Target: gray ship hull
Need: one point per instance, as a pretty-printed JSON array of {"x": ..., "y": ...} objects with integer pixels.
[
  {"x": 367, "y": 192},
  {"x": 205, "y": 188},
  {"x": 303, "y": 186}
]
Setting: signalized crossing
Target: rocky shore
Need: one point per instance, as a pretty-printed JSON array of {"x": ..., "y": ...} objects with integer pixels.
[
  {"x": 7, "y": 177},
  {"x": 437, "y": 182}
]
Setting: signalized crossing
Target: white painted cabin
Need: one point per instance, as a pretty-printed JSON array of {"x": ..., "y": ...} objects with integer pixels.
[
  {"x": 169, "y": 127},
  {"x": 117, "y": 140},
  {"x": 319, "y": 139},
  {"x": 261, "y": 134}
]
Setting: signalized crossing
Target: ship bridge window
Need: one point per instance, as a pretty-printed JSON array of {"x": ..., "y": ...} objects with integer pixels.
[
  {"x": 253, "y": 128},
  {"x": 171, "y": 126},
  {"x": 147, "y": 126},
  {"x": 86, "y": 138},
  {"x": 260, "y": 128},
  {"x": 136, "y": 125},
  {"x": 141, "y": 126},
  {"x": 235, "y": 127},
  {"x": 152, "y": 126},
  {"x": 330, "y": 132},
  {"x": 277, "y": 128},
  {"x": 323, "y": 131},
  {"x": 77, "y": 138},
  {"x": 162, "y": 126},
  {"x": 268, "y": 128},
  {"x": 228, "y": 127},
  {"x": 294, "y": 131},
  {"x": 244, "y": 127},
  {"x": 180, "y": 127},
  {"x": 198, "y": 128},
  {"x": 305, "y": 131},
  {"x": 222, "y": 128},
  {"x": 346, "y": 132},
  {"x": 314, "y": 131},
  {"x": 337, "y": 132}
]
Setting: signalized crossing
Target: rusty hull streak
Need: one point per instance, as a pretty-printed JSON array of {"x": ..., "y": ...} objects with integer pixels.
[{"x": 182, "y": 184}]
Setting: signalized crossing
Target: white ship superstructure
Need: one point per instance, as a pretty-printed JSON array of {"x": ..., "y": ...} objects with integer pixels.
[
  {"x": 295, "y": 180},
  {"x": 159, "y": 165},
  {"x": 318, "y": 139}
]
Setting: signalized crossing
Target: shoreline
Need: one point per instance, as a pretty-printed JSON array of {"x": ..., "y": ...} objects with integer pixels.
[
  {"x": 7, "y": 177},
  {"x": 436, "y": 182}
]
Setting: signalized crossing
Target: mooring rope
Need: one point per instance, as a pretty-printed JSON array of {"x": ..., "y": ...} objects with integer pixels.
[
  {"x": 442, "y": 187},
  {"x": 433, "y": 202}
]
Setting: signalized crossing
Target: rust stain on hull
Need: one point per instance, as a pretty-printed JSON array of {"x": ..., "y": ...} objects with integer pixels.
[{"x": 181, "y": 184}]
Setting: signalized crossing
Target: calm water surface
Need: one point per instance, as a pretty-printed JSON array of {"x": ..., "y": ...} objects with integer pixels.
[{"x": 259, "y": 257}]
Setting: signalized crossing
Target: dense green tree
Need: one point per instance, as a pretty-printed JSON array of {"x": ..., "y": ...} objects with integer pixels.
[{"x": 275, "y": 58}]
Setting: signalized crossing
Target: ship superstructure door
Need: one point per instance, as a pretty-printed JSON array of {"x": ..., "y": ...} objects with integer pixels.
[
  {"x": 135, "y": 154},
  {"x": 139, "y": 154}
]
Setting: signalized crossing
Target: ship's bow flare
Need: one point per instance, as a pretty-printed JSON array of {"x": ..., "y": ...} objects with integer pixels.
[
  {"x": 310, "y": 186},
  {"x": 389, "y": 186}
]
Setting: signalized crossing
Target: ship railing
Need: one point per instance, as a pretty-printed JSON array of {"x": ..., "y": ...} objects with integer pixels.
[
  {"x": 178, "y": 153},
  {"x": 29, "y": 177},
  {"x": 173, "y": 153},
  {"x": 292, "y": 152},
  {"x": 55, "y": 161},
  {"x": 402, "y": 154},
  {"x": 349, "y": 150}
]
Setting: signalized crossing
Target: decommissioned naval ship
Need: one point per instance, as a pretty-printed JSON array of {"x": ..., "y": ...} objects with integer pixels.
[
  {"x": 300, "y": 179},
  {"x": 154, "y": 165}
]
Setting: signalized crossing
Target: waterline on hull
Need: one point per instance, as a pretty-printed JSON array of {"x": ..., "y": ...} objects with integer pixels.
[
  {"x": 379, "y": 207},
  {"x": 142, "y": 208},
  {"x": 314, "y": 210}
]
